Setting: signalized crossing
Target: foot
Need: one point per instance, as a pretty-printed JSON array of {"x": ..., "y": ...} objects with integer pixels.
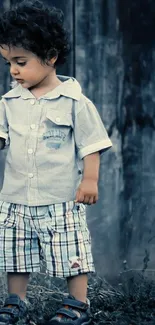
[
  {"x": 14, "y": 309},
  {"x": 73, "y": 312}
]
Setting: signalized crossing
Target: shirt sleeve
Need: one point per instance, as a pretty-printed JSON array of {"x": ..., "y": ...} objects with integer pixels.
[
  {"x": 89, "y": 131},
  {"x": 3, "y": 122}
]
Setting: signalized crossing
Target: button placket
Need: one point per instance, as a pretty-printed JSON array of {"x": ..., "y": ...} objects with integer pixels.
[
  {"x": 32, "y": 126},
  {"x": 32, "y": 188},
  {"x": 31, "y": 144},
  {"x": 30, "y": 175},
  {"x": 34, "y": 120},
  {"x": 30, "y": 151}
]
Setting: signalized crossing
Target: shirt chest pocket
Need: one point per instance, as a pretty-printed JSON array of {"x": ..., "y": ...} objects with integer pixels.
[{"x": 58, "y": 128}]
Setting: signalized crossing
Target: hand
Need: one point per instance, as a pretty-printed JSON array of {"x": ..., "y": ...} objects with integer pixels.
[{"x": 87, "y": 192}]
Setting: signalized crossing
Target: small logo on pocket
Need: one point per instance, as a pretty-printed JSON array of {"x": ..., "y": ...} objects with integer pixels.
[{"x": 54, "y": 138}]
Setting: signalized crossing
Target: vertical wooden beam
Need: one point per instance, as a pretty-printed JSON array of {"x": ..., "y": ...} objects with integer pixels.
[
  {"x": 136, "y": 118},
  {"x": 4, "y": 72},
  {"x": 4, "y": 86},
  {"x": 99, "y": 70},
  {"x": 67, "y": 6}
]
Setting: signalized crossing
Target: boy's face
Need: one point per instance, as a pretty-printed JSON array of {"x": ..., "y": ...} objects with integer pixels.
[{"x": 26, "y": 68}]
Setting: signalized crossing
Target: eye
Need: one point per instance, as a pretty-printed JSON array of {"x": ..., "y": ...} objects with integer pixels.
[{"x": 21, "y": 63}]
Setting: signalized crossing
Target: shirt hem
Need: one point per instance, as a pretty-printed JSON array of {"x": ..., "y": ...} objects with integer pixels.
[{"x": 37, "y": 203}]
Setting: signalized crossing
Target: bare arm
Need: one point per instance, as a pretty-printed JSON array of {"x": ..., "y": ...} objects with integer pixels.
[
  {"x": 87, "y": 192},
  {"x": 91, "y": 166}
]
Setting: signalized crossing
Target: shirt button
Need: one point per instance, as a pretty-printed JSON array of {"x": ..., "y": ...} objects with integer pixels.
[
  {"x": 30, "y": 151},
  {"x": 32, "y": 101},
  {"x": 32, "y": 126},
  {"x": 57, "y": 119},
  {"x": 30, "y": 175}
]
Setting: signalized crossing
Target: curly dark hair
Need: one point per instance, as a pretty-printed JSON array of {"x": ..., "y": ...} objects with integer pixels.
[{"x": 36, "y": 27}]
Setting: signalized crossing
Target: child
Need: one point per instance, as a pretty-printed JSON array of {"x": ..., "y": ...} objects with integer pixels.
[{"x": 54, "y": 137}]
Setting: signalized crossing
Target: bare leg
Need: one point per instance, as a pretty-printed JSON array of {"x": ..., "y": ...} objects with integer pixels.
[
  {"x": 17, "y": 283},
  {"x": 77, "y": 286}
]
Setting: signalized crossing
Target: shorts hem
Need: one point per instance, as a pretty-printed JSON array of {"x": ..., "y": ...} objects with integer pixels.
[
  {"x": 36, "y": 270},
  {"x": 70, "y": 274}
]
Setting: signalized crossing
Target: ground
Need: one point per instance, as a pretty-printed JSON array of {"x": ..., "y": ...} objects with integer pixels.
[{"x": 130, "y": 300}]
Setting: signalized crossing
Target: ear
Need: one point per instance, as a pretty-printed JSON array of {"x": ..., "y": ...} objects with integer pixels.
[{"x": 53, "y": 60}]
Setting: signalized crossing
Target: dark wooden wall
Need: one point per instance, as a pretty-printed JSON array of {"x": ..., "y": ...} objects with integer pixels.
[{"x": 118, "y": 75}]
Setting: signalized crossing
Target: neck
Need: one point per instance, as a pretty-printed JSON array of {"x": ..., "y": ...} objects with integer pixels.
[{"x": 46, "y": 87}]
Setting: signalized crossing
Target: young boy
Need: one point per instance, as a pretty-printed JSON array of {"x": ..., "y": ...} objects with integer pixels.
[{"x": 54, "y": 137}]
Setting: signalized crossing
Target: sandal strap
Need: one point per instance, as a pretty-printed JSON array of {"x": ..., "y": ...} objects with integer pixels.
[
  {"x": 67, "y": 312},
  {"x": 9, "y": 311},
  {"x": 13, "y": 300},
  {"x": 75, "y": 303}
]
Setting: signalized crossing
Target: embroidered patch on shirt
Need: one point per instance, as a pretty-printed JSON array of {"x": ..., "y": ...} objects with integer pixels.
[{"x": 54, "y": 138}]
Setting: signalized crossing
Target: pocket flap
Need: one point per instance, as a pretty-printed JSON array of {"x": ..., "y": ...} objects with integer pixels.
[{"x": 59, "y": 118}]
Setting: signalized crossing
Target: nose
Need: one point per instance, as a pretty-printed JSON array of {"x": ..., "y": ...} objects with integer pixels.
[{"x": 13, "y": 70}]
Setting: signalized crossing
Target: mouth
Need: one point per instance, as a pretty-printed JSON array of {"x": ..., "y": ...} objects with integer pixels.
[{"x": 20, "y": 80}]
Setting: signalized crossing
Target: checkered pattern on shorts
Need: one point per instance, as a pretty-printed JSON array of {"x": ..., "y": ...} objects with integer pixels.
[{"x": 57, "y": 233}]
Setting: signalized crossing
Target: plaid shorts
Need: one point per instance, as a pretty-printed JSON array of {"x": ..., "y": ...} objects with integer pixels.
[{"x": 56, "y": 233}]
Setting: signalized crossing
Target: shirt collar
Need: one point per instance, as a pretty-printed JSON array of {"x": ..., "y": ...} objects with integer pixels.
[{"x": 68, "y": 88}]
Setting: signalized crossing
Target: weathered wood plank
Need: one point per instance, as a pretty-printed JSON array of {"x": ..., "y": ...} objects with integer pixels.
[
  {"x": 136, "y": 119},
  {"x": 68, "y": 9},
  {"x": 4, "y": 86},
  {"x": 4, "y": 72},
  {"x": 99, "y": 71}
]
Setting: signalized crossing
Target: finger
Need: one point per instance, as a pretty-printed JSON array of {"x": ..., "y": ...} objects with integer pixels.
[
  {"x": 95, "y": 199},
  {"x": 86, "y": 199},
  {"x": 91, "y": 200},
  {"x": 77, "y": 196},
  {"x": 80, "y": 197}
]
